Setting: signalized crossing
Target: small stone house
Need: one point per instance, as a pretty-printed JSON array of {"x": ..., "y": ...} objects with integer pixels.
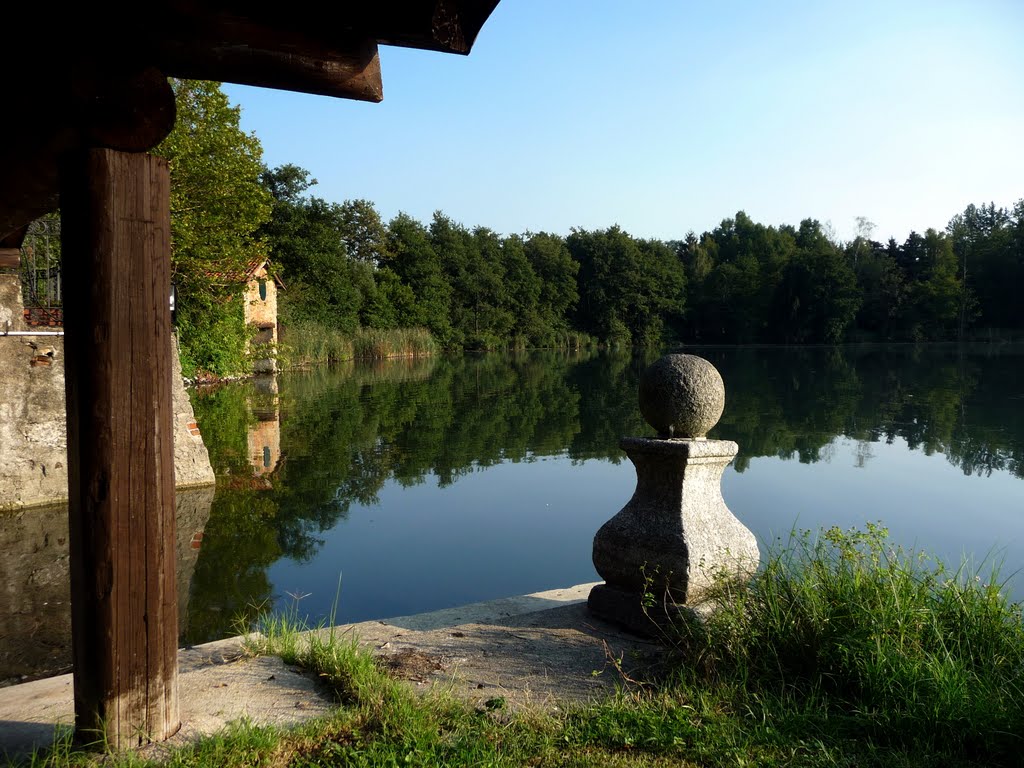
[{"x": 260, "y": 299}]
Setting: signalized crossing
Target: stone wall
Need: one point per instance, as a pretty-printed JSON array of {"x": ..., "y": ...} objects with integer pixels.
[
  {"x": 191, "y": 461},
  {"x": 33, "y": 421},
  {"x": 261, "y": 311}
]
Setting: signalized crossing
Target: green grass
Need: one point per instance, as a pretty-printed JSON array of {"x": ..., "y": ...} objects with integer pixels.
[
  {"x": 373, "y": 343},
  {"x": 874, "y": 642},
  {"x": 843, "y": 651},
  {"x": 309, "y": 343}
]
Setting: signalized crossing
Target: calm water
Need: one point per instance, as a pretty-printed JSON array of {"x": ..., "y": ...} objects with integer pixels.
[{"x": 426, "y": 484}]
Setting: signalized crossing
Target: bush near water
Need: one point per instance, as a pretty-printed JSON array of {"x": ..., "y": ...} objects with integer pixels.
[{"x": 844, "y": 649}]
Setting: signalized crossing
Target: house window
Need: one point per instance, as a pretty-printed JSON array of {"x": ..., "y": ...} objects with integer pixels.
[
  {"x": 266, "y": 456},
  {"x": 263, "y": 290}
]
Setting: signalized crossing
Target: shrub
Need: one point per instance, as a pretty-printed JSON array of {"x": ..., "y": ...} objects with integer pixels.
[{"x": 887, "y": 640}]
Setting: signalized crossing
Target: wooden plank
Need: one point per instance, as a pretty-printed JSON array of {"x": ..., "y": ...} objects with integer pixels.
[
  {"x": 99, "y": 86},
  {"x": 448, "y": 26},
  {"x": 131, "y": 110},
  {"x": 116, "y": 240},
  {"x": 10, "y": 257},
  {"x": 81, "y": 104},
  {"x": 14, "y": 239},
  {"x": 347, "y": 68}
]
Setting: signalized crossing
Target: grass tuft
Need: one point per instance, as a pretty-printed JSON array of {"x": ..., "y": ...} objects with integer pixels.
[{"x": 877, "y": 641}]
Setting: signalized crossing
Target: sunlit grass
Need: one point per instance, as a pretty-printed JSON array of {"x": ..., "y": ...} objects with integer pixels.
[{"x": 875, "y": 640}]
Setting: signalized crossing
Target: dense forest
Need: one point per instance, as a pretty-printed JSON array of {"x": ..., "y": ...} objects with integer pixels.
[
  {"x": 743, "y": 282},
  {"x": 345, "y": 270}
]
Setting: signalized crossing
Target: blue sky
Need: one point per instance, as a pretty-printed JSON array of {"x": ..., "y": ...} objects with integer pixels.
[{"x": 664, "y": 116}]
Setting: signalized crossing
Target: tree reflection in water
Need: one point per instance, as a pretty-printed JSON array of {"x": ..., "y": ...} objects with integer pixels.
[{"x": 346, "y": 432}]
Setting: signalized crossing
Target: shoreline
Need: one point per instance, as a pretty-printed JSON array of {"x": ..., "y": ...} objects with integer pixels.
[{"x": 537, "y": 649}]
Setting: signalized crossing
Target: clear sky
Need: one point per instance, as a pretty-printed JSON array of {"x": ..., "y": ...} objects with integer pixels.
[{"x": 664, "y": 116}]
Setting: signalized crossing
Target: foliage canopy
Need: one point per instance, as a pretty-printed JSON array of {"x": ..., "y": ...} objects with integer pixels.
[{"x": 217, "y": 208}]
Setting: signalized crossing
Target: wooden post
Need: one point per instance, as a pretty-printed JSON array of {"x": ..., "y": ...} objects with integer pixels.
[{"x": 115, "y": 210}]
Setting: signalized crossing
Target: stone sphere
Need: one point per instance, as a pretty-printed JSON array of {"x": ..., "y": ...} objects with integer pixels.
[{"x": 682, "y": 396}]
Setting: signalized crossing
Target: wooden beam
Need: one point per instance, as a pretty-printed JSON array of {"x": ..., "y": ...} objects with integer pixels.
[
  {"x": 14, "y": 239},
  {"x": 447, "y": 26},
  {"x": 85, "y": 104},
  {"x": 115, "y": 237},
  {"x": 131, "y": 110},
  {"x": 10, "y": 248},
  {"x": 97, "y": 86},
  {"x": 10, "y": 257},
  {"x": 235, "y": 49}
]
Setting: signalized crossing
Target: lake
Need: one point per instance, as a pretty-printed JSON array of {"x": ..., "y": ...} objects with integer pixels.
[
  {"x": 388, "y": 488},
  {"x": 379, "y": 489}
]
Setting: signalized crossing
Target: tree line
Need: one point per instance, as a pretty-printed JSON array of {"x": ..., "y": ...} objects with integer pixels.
[
  {"x": 743, "y": 282},
  {"x": 344, "y": 268}
]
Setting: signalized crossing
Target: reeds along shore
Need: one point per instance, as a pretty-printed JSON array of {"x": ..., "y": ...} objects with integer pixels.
[
  {"x": 313, "y": 344},
  {"x": 310, "y": 343}
]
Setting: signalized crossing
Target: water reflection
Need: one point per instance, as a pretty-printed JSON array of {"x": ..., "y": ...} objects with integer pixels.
[
  {"x": 435, "y": 482},
  {"x": 397, "y": 442},
  {"x": 35, "y": 608},
  {"x": 264, "y": 433}
]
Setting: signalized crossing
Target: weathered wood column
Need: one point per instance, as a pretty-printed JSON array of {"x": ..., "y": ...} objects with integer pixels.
[{"x": 116, "y": 251}]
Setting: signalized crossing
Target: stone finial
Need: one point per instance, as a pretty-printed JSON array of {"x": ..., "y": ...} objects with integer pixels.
[
  {"x": 675, "y": 537},
  {"x": 682, "y": 396}
]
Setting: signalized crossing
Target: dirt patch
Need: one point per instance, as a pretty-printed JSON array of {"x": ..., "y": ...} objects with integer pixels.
[
  {"x": 543, "y": 658},
  {"x": 410, "y": 664}
]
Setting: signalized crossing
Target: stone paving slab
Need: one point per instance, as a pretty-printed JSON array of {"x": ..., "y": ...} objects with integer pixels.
[
  {"x": 217, "y": 684},
  {"x": 540, "y": 649}
]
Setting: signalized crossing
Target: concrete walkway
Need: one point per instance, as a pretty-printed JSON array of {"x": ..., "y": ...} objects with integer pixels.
[{"x": 532, "y": 650}]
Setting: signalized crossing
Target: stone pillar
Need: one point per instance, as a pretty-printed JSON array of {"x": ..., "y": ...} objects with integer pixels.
[{"x": 675, "y": 536}]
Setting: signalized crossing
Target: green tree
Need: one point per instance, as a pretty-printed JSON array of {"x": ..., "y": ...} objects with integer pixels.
[
  {"x": 217, "y": 208},
  {"x": 419, "y": 269},
  {"x": 735, "y": 271},
  {"x": 363, "y": 233},
  {"x": 473, "y": 268},
  {"x": 556, "y": 269},
  {"x": 991, "y": 264},
  {"x": 938, "y": 295},
  {"x": 306, "y": 235},
  {"x": 522, "y": 295},
  {"x": 627, "y": 287},
  {"x": 699, "y": 257},
  {"x": 817, "y": 299},
  {"x": 882, "y": 288},
  {"x": 488, "y": 298}
]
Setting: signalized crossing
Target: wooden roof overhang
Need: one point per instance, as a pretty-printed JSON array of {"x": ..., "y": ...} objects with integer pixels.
[
  {"x": 96, "y": 76},
  {"x": 86, "y": 93}
]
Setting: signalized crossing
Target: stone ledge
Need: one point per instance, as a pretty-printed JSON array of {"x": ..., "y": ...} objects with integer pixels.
[{"x": 537, "y": 650}]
